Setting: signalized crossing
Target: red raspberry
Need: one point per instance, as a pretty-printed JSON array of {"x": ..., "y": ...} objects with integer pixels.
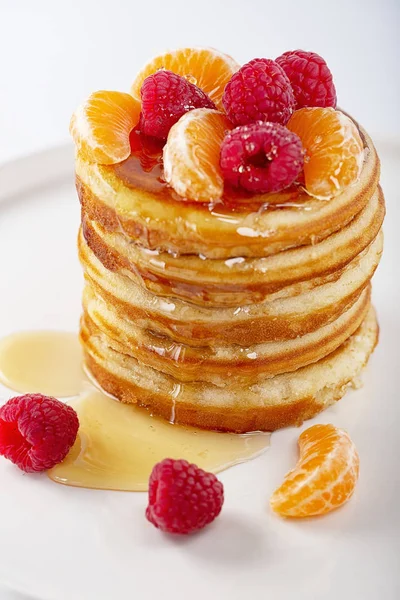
[
  {"x": 261, "y": 157},
  {"x": 310, "y": 77},
  {"x": 36, "y": 432},
  {"x": 167, "y": 96},
  {"x": 259, "y": 91},
  {"x": 182, "y": 497}
]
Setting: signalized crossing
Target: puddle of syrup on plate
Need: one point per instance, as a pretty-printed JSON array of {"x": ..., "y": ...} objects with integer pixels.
[
  {"x": 49, "y": 362},
  {"x": 117, "y": 444}
]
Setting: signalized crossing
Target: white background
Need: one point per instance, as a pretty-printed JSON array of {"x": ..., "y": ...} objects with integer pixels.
[{"x": 53, "y": 53}]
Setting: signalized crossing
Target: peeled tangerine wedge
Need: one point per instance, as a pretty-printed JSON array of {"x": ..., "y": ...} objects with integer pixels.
[
  {"x": 101, "y": 126},
  {"x": 191, "y": 155},
  {"x": 334, "y": 150},
  {"x": 207, "y": 68},
  {"x": 323, "y": 479}
]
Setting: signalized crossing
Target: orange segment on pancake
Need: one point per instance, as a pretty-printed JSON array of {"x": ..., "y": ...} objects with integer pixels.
[
  {"x": 323, "y": 479},
  {"x": 102, "y": 124},
  {"x": 207, "y": 68},
  {"x": 334, "y": 150},
  {"x": 191, "y": 155}
]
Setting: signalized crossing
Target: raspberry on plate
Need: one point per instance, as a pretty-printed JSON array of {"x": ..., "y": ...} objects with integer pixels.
[
  {"x": 310, "y": 77},
  {"x": 36, "y": 431},
  {"x": 167, "y": 96},
  {"x": 182, "y": 497},
  {"x": 261, "y": 157},
  {"x": 259, "y": 91}
]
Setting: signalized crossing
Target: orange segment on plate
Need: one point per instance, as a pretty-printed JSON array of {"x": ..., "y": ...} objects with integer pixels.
[
  {"x": 102, "y": 124},
  {"x": 207, "y": 68},
  {"x": 334, "y": 150},
  {"x": 323, "y": 479},
  {"x": 191, "y": 155}
]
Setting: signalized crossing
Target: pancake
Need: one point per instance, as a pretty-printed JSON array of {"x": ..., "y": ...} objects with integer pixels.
[
  {"x": 279, "y": 319},
  {"x": 252, "y": 313},
  {"x": 286, "y": 399},
  {"x": 219, "y": 365},
  {"x": 158, "y": 220},
  {"x": 239, "y": 280}
]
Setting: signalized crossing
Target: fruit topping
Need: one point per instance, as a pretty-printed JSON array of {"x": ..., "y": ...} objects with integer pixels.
[
  {"x": 36, "y": 432},
  {"x": 191, "y": 155},
  {"x": 310, "y": 78},
  {"x": 165, "y": 98},
  {"x": 207, "y": 68},
  {"x": 101, "y": 126},
  {"x": 178, "y": 97},
  {"x": 324, "y": 477},
  {"x": 182, "y": 497},
  {"x": 334, "y": 150},
  {"x": 261, "y": 157},
  {"x": 259, "y": 91}
]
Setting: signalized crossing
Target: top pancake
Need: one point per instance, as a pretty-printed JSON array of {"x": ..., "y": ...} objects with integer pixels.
[{"x": 145, "y": 209}]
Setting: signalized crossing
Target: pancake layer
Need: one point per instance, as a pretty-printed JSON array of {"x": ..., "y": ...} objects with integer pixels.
[
  {"x": 274, "y": 320},
  {"x": 220, "y": 365},
  {"x": 239, "y": 280}
]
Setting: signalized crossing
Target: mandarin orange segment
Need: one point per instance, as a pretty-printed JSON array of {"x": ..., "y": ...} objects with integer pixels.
[
  {"x": 324, "y": 477},
  {"x": 191, "y": 155},
  {"x": 207, "y": 68},
  {"x": 334, "y": 150},
  {"x": 102, "y": 124}
]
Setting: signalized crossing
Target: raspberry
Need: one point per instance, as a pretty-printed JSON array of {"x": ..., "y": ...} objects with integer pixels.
[
  {"x": 36, "y": 432},
  {"x": 261, "y": 157},
  {"x": 167, "y": 96},
  {"x": 182, "y": 497},
  {"x": 310, "y": 78},
  {"x": 259, "y": 91}
]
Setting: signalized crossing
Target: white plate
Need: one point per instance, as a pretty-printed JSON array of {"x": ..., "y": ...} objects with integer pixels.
[{"x": 60, "y": 543}]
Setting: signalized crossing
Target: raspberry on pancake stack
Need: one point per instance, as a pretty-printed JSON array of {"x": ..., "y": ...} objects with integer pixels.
[{"x": 228, "y": 250}]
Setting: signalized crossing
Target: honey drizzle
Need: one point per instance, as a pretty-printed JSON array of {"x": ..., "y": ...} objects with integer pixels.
[{"x": 117, "y": 444}]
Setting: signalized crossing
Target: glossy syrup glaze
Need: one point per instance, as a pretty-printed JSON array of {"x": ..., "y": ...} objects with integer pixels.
[
  {"x": 144, "y": 170},
  {"x": 117, "y": 444}
]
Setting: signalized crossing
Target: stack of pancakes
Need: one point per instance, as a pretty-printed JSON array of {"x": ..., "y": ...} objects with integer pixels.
[{"x": 250, "y": 314}]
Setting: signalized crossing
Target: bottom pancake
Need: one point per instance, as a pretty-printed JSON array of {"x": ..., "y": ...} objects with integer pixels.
[{"x": 280, "y": 401}]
